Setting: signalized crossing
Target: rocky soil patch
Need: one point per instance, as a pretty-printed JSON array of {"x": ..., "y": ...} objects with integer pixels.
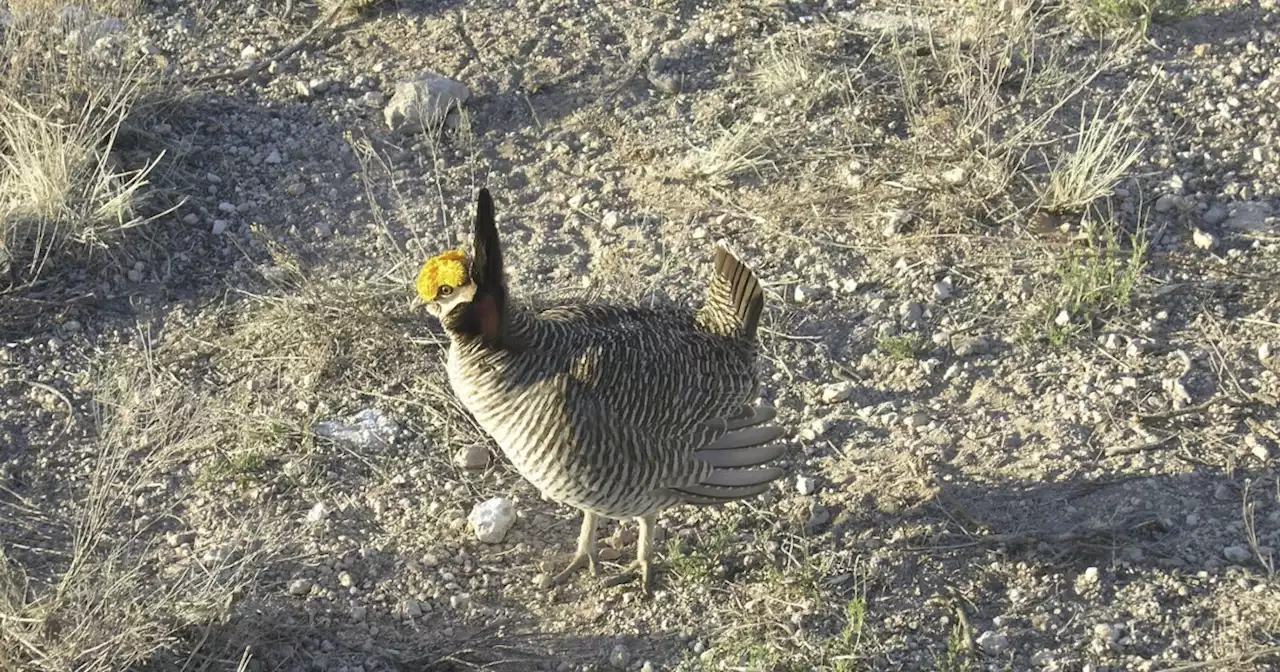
[{"x": 1022, "y": 322}]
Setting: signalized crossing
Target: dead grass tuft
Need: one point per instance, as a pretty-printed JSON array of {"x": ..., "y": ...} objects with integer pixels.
[
  {"x": 1104, "y": 152},
  {"x": 738, "y": 151},
  {"x": 68, "y": 83},
  {"x": 97, "y": 588}
]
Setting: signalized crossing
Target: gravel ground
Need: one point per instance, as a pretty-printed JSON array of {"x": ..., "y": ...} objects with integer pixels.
[{"x": 1024, "y": 435}]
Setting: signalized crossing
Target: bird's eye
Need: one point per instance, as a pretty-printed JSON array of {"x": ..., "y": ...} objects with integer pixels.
[{"x": 445, "y": 290}]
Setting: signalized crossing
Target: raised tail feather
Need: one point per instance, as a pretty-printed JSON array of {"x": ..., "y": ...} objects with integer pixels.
[{"x": 734, "y": 298}]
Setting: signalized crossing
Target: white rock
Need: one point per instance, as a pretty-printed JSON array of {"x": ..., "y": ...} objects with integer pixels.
[
  {"x": 1264, "y": 352},
  {"x": 317, "y": 513},
  {"x": 492, "y": 518},
  {"x": 836, "y": 393},
  {"x": 942, "y": 290},
  {"x": 1204, "y": 240},
  {"x": 1257, "y": 447},
  {"x": 805, "y": 294},
  {"x": 993, "y": 642},
  {"x": 610, "y": 219},
  {"x": 424, "y": 102},
  {"x": 273, "y": 157},
  {"x": 249, "y": 53},
  {"x": 806, "y": 485},
  {"x": 954, "y": 175},
  {"x": 1063, "y": 318}
]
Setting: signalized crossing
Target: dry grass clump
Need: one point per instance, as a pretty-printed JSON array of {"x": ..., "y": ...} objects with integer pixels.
[
  {"x": 94, "y": 586},
  {"x": 68, "y": 83},
  {"x": 1105, "y": 149}
]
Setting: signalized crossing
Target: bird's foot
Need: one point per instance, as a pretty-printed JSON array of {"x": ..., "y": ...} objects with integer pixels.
[
  {"x": 580, "y": 559},
  {"x": 639, "y": 569}
]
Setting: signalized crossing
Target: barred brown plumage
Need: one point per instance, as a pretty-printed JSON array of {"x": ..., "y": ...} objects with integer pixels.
[{"x": 618, "y": 411}]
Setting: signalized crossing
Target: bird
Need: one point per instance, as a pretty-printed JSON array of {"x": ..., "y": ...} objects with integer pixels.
[{"x": 620, "y": 411}]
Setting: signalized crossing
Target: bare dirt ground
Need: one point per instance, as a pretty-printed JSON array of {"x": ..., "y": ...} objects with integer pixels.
[{"x": 1022, "y": 321}]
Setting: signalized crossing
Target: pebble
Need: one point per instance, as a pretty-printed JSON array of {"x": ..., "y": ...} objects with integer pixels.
[
  {"x": 1204, "y": 240},
  {"x": 227, "y": 207},
  {"x": 993, "y": 642},
  {"x": 460, "y": 601},
  {"x": 1167, "y": 202},
  {"x": 1257, "y": 447},
  {"x": 610, "y": 219},
  {"x": 299, "y": 587},
  {"x": 942, "y": 289},
  {"x": 317, "y": 513},
  {"x": 1264, "y": 352},
  {"x": 492, "y": 518},
  {"x": 472, "y": 457},
  {"x": 219, "y": 227},
  {"x": 422, "y": 103},
  {"x": 805, "y": 294},
  {"x": 836, "y": 393},
  {"x": 806, "y": 485},
  {"x": 954, "y": 175},
  {"x": 917, "y": 420},
  {"x": 620, "y": 657},
  {"x": 191, "y": 218},
  {"x": 1237, "y": 554},
  {"x": 1214, "y": 216},
  {"x": 273, "y": 157}
]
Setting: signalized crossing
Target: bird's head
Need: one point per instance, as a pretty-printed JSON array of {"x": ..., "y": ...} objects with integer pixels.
[
  {"x": 445, "y": 284},
  {"x": 466, "y": 292}
]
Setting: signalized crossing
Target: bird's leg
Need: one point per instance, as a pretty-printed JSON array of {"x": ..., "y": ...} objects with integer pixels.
[
  {"x": 644, "y": 550},
  {"x": 586, "y": 555}
]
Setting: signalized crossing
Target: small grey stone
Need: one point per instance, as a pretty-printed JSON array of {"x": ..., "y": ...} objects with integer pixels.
[
  {"x": 993, "y": 642},
  {"x": 1237, "y": 554},
  {"x": 472, "y": 457},
  {"x": 1214, "y": 216},
  {"x": 423, "y": 103},
  {"x": 620, "y": 657},
  {"x": 412, "y": 608},
  {"x": 191, "y": 218},
  {"x": 1167, "y": 202},
  {"x": 917, "y": 420},
  {"x": 460, "y": 601},
  {"x": 1264, "y": 352},
  {"x": 273, "y": 157},
  {"x": 942, "y": 289},
  {"x": 219, "y": 227},
  {"x": 806, "y": 485},
  {"x": 229, "y": 208},
  {"x": 836, "y": 393},
  {"x": 299, "y": 587}
]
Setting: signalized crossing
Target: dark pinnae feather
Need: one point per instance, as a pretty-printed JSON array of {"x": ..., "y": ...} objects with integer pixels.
[{"x": 487, "y": 314}]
